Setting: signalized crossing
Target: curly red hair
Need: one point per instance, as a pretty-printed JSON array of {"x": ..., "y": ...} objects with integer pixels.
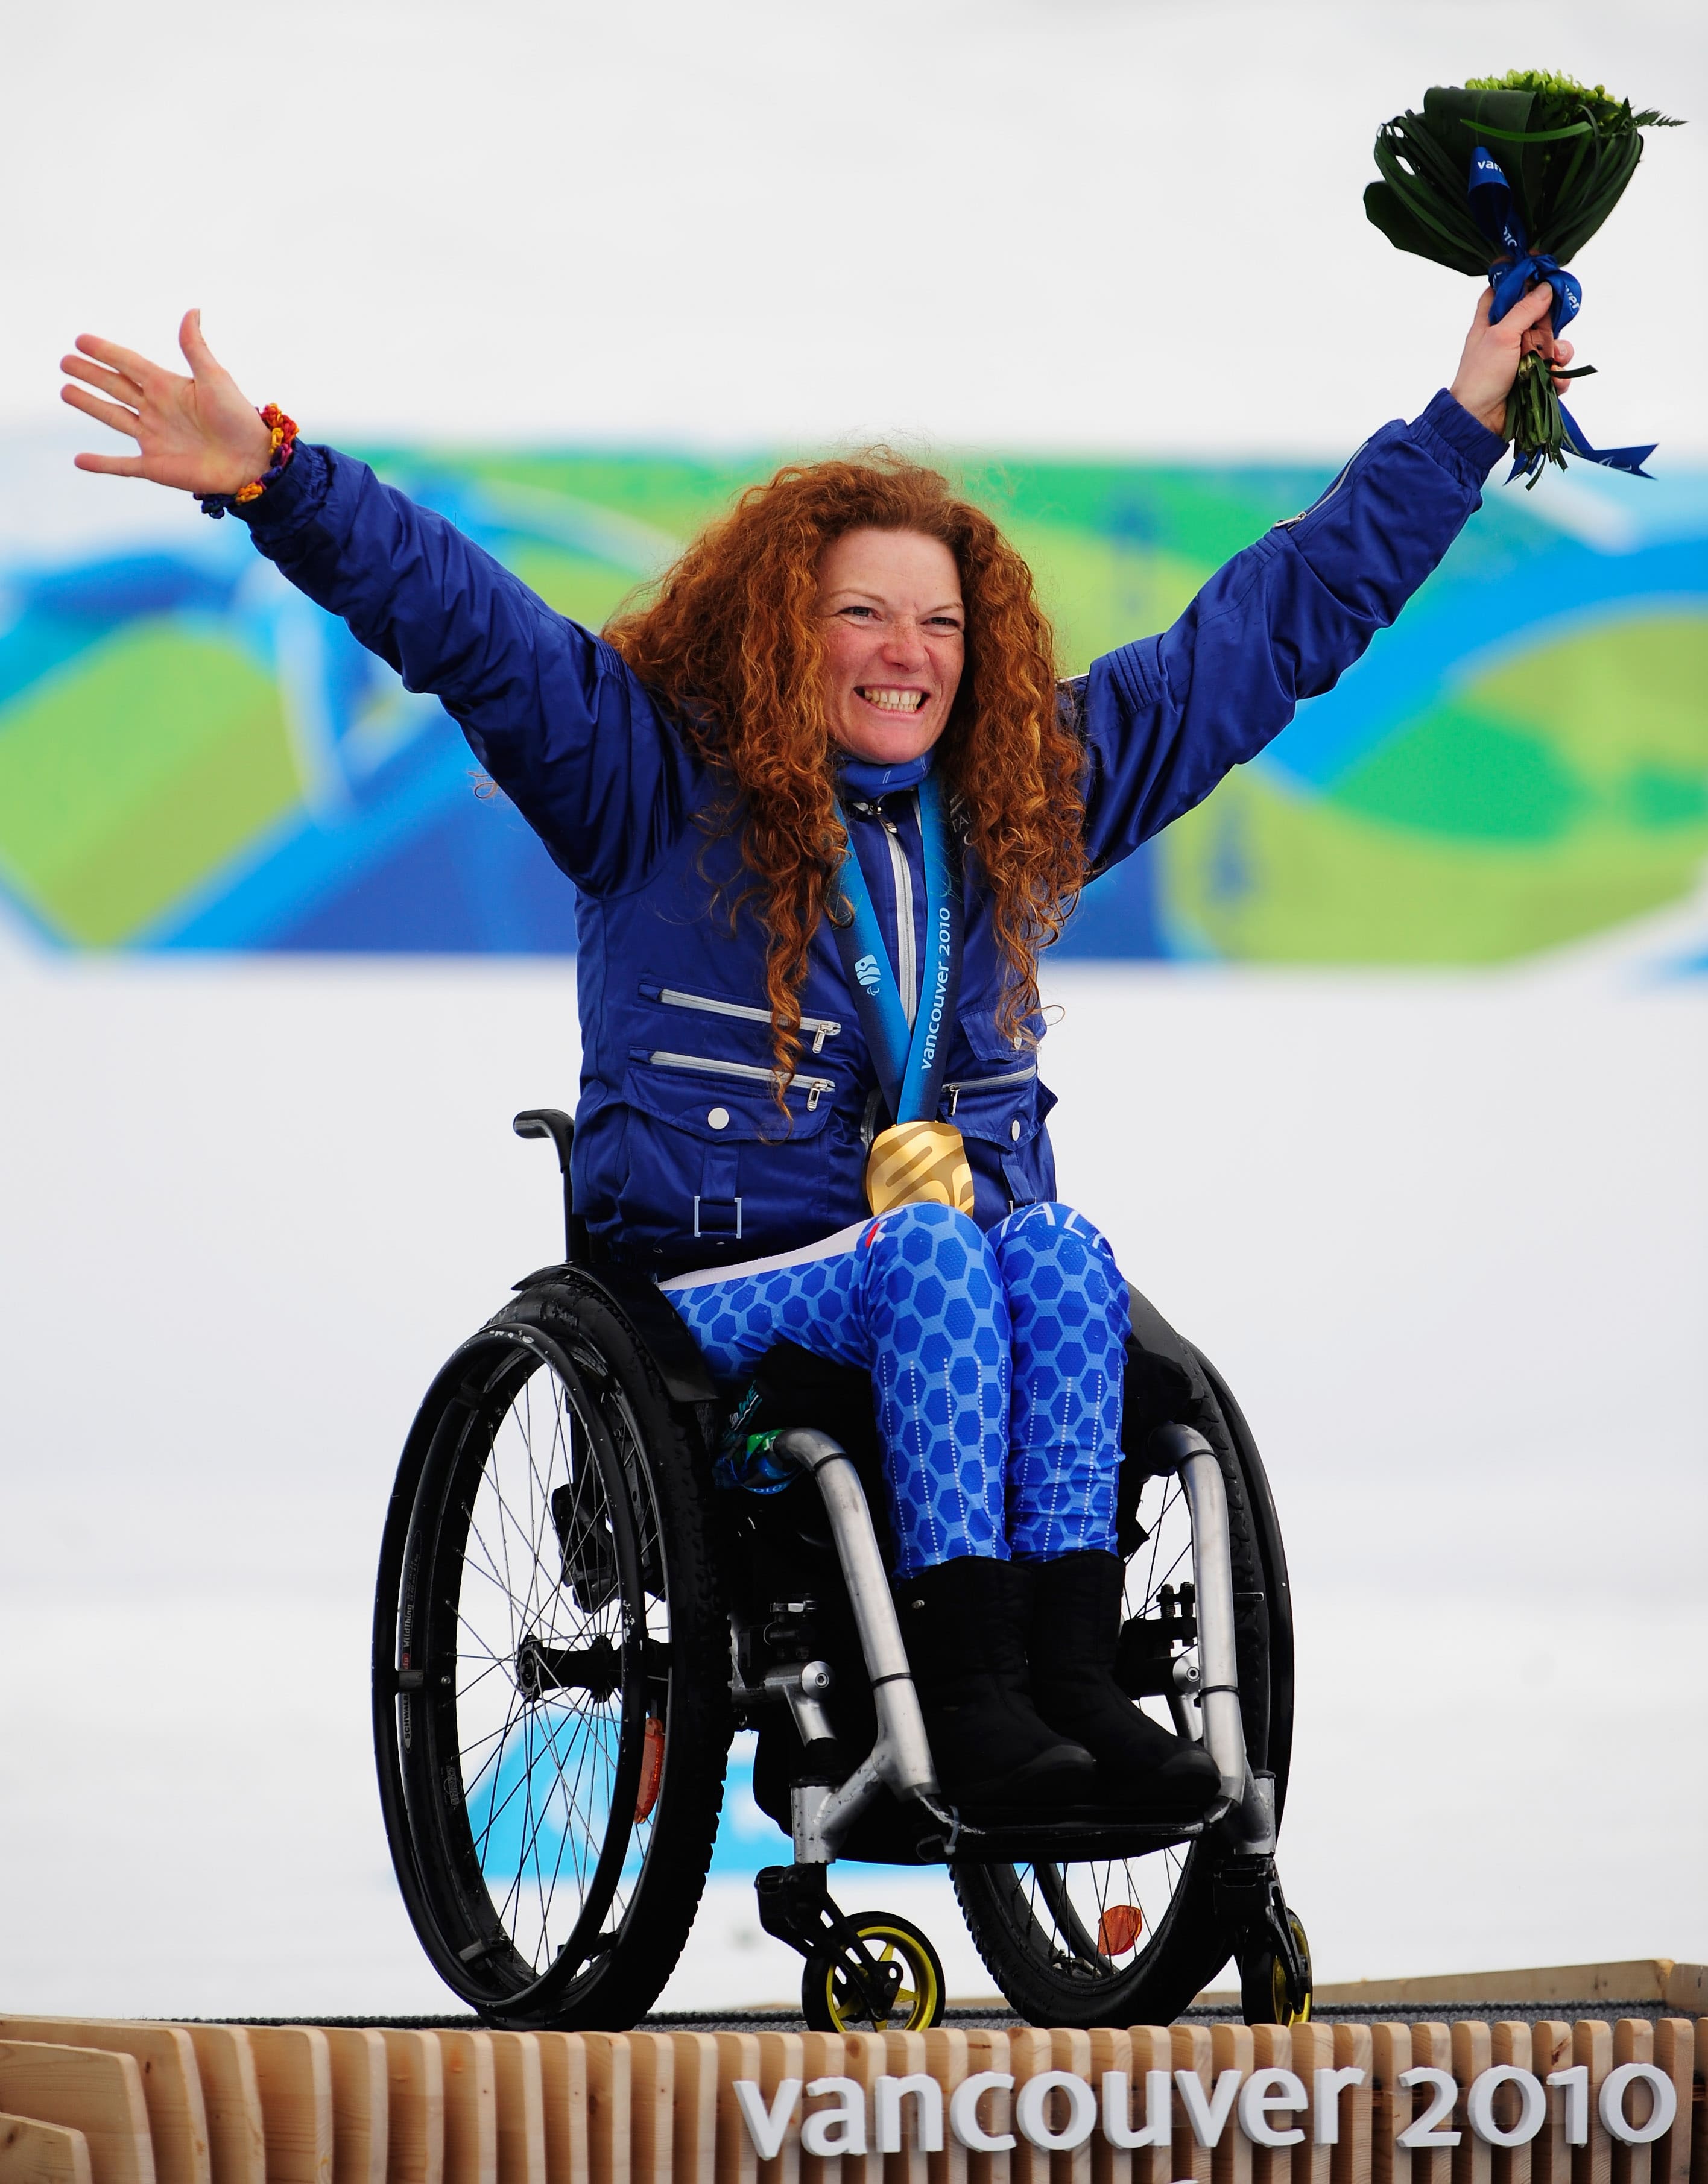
[{"x": 731, "y": 639}]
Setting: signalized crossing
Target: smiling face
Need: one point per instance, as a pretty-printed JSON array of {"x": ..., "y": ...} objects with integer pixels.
[{"x": 894, "y": 628}]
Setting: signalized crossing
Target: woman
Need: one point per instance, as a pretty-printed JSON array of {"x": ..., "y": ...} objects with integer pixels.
[{"x": 823, "y": 801}]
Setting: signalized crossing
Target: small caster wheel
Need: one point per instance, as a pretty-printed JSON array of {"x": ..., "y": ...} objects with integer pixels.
[
  {"x": 1264, "y": 1996},
  {"x": 833, "y": 2000}
]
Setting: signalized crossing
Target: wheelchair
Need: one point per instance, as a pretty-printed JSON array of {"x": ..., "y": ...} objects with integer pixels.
[{"x": 573, "y": 1615}]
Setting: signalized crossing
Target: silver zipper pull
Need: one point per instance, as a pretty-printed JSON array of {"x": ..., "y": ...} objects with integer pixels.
[
  {"x": 815, "y": 1087},
  {"x": 954, "y": 1098}
]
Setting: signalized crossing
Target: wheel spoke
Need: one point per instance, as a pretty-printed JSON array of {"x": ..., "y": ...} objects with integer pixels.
[{"x": 538, "y": 1775}]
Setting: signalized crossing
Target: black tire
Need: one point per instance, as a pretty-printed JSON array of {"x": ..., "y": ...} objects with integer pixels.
[
  {"x": 550, "y": 1699},
  {"x": 1132, "y": 1940},
  {"x": 831, "y": 2002}
]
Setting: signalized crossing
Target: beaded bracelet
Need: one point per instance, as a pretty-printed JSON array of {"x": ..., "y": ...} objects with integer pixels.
[{"x": 283, "y": 430}]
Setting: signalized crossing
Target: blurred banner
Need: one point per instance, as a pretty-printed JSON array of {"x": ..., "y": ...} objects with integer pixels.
[{"x": 191, "y": 757}]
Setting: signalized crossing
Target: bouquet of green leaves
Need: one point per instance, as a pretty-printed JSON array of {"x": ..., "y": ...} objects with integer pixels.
[{"x": 1561, "y": 159}]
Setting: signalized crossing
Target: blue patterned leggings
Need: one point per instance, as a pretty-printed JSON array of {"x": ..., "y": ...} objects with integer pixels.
[{"x": 996, "y": 1361}]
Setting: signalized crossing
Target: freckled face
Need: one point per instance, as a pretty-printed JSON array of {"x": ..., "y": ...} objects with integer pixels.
[{"x": 895, "y": 643}]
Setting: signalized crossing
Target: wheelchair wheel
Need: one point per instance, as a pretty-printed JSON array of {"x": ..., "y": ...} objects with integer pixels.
[
  {"x": 1264, "y": 1996},
  {"x": 551, "y": 1711},
  {"x": 831, "y": 2001},
  {"x": 1131, "y": 1941}
]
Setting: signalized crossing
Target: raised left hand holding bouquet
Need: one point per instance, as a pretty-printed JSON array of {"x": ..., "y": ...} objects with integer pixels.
[{"x": 1565, "y": 154}]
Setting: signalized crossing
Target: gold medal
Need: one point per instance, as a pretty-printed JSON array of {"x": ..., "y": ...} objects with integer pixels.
[{"x": 918, "y": 1163}]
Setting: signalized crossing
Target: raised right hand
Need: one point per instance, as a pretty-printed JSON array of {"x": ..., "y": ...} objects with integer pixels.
[
  {"x": 199, "y": 434},
  {"x": 1490, "y": 362}
]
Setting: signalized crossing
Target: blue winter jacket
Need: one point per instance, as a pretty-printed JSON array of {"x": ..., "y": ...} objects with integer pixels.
[{"x": 682, "y": 1158}]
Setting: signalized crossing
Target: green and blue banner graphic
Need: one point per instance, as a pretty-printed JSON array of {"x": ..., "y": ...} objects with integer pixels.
[{"x": 191, "y": 757}]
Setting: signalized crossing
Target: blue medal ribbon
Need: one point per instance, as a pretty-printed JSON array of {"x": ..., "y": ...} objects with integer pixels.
[
  {"x": 910, "y": 1063},
  {"x": 1498, "y": 217}
]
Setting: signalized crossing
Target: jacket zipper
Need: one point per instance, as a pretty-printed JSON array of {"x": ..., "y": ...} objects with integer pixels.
[
  {"x": 906, "y": 969},
  {"x": 822, "y": 1027},
  {"x": 813, "y": 1086},
  {"x": 987, "y": 1084},
  {"x": 1327, "y": 493}
]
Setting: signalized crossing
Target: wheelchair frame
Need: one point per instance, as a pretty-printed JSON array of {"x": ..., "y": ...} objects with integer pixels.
[{"x": 794, "y": 1903}]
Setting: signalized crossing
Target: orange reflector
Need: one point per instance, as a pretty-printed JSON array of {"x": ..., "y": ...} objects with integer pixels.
[
  {"x": 652, "y": 1769},
  {"x": 1118, "y": 1929}
]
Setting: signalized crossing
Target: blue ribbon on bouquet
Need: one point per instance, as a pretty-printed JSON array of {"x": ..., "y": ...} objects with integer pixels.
[
  {"x": 1492, "y": 207},
  {"x": 1494, "y": 212},
  {"x": 1629, "y": 460}
]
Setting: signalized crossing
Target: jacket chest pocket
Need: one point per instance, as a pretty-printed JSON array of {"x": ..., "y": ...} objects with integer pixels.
[
  {"x": 1002, "y": 1110},
  {"x": 712, "y": 1150},
  {"x": 714, "y": 1009},
  {"x": 1000, "y": 1105}
]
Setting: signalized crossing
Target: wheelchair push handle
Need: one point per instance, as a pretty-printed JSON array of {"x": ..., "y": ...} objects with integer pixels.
[{"x": 552, "y": 1122}]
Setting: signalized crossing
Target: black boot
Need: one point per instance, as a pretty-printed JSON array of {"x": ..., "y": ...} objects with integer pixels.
[
  {"x": 963, "y": 1622},
  {"x": 1076, "y": 1615}
]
